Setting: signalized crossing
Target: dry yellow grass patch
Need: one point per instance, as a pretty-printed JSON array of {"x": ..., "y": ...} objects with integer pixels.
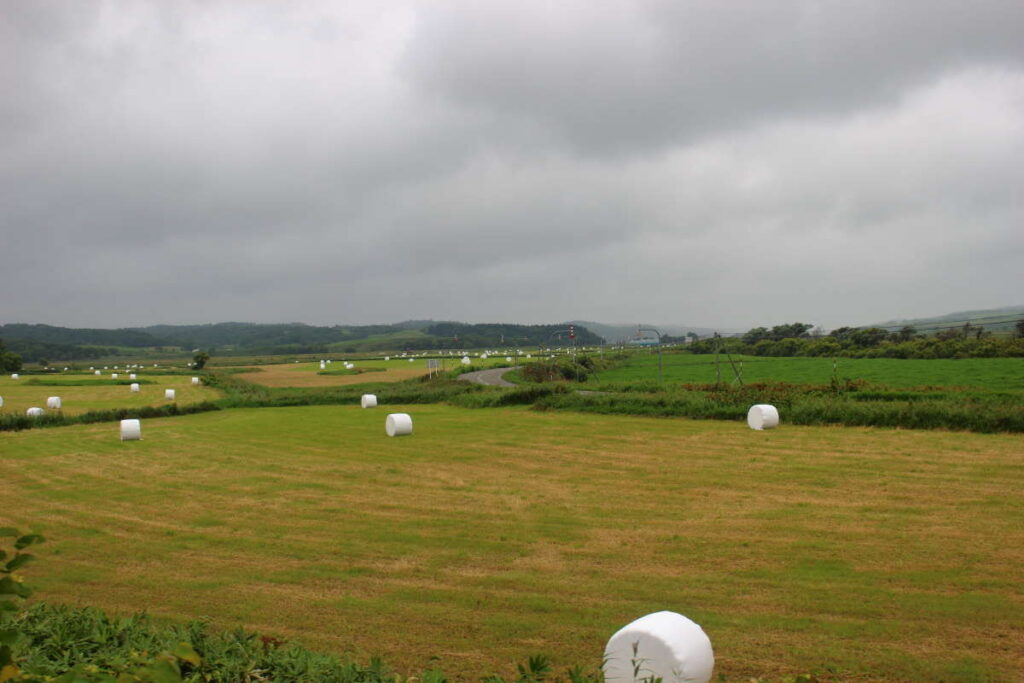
[{"x": 297, "y": 375}]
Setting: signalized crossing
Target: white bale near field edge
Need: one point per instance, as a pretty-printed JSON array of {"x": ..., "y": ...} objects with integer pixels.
[
  {"x": 466, "y": 360},
  {"x": 398, "y": 424},
  {"x": 131, "y": 376},
  {"x": 663, "y": 645},
  {"x": 368, "y": 401},
  {"x": 169, "y": 394},
  {"x": 34, "y": 412},
  {"x": 131, "y": 430},
  {"x": 508, "y": 359},
  {"x": 762, "y": 416},
  {"x": 96, "y": 372},
  {"x": 14, "y": 375},
  {"x": 135, "y": 387},
  {"x": 412, "y": 360},
  {"x": 387, "y": 357},
  {"x": 195, "y": 381},
  {"x": 113, "y": 375},
  {"x": 1, "y": 401},
  {"x": 53, "y": 402}
]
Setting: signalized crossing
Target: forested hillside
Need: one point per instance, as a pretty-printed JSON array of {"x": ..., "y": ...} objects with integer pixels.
[{"x": 36, "y": 342}]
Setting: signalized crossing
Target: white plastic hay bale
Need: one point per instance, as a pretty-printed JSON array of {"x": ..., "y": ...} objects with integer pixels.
[
  {"x": 195, "y": 381},
  {"x": 53, "y": 403},
  {"x": 663, "y": 645},
  {"x": 529, "y": 356},
  {"x": 762, "y": 416},
  {"x": 323, "y": 366},
  {"x": 91, "y": 367},
  {"x": 34, "y": 412},
  {"x": 131, "y": 375},
  {"x": 135, "y": 387},
  {"x": 96, "y": 372},
  {"x": 113, "y": 375},
  {"x": 14, "y": 375},
  {"x": 1, "y": 401},
  {"x": 169, "y": 394},
  {"x": 466, "y": 360},
  {"x": 412, "y": 360},
  {"x": 368, "y": 401},
  {"x": 131, "y": 430},
  {"x": 508, "y": 359},
  {"x": 387, "y": 357},
  {"x": 349, "y": 366},
  {"x": 398, "y": 424}
]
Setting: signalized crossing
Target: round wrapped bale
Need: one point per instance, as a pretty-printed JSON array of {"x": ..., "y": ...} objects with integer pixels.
[
  {"x": 663, "y": 645},
  {"x": 132, "y": 376},
  {"x": 135, "y": 387},
  {"x": 387, "y": 357},
  {"x": 508, "y": 359},
  {"x": 14, "y": 375},
  {"x": 368, "y": 401},
  {"x": 131, "y": 430},
  {"x": 398, "y": 424},
  {"x": 466, "y": 360},
  {"x": 762, "y": 416},
  {"x": 412, "y": 360},
  {"x": 195, "y": 381},
  {"x": 53, "y": 403},
  {"x": 169, "y": 394},
  {"x": 96, "y": 372},
  {"x": 113, "y": 375},
  {"x": 34, "y": 412},
  {"x": 1, "y": 401}
]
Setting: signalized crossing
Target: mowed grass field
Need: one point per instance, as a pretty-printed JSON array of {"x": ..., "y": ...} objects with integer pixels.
[
  {"x": 988, "y": 373},
  {"x": 377, "y": 370},
  {"x": 490, "y": 535},
  {"x": 82, "y": 393}
]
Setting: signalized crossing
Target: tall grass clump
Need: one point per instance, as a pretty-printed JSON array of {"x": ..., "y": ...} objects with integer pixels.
[{"x": 10, "y": 422}]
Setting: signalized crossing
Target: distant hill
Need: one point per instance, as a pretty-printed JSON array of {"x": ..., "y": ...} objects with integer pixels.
[
  {"x": 992, "y": 319},
  {"x": 619, "y": 332},
  {"x": 34, "y": 342}
]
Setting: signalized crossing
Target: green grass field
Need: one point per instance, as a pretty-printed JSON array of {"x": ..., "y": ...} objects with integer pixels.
[
  {"x": 490, "y": 535},
  {"x": 83, "y": 393},
  {"x": 988, "y": 373}
]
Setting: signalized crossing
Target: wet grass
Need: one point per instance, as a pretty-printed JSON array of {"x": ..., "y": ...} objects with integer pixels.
[{"x": 985, "y": 373}]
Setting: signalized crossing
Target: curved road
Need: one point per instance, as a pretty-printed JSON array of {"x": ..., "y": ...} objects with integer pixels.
[{"x": 493, "y": 377}]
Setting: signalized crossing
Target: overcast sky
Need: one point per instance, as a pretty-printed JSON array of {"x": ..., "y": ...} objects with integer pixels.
[{"x": 707, "y": 163}]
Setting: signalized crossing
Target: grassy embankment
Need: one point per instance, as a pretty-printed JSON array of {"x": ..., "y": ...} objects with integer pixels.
[{"x": 490, "y": 535}]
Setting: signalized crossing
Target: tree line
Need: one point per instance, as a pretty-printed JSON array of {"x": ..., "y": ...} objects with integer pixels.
[{"x": 801, "y": 339}]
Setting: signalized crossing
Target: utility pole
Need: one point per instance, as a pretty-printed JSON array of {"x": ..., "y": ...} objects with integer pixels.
[{"x": 661, "y": 376}]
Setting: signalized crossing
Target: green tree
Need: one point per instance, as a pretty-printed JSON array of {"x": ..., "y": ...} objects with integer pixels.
[
  {"x": 9, "y": 362},
  {"x": 755, "y": 335},
  {"x": 199, "y": 360}
]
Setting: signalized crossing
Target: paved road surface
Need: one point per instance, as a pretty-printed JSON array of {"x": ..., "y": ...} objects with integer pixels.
[{"x": 493, "y": 377}]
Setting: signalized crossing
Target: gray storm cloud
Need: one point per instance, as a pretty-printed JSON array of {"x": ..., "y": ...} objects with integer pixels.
[{"x": 704, "y": 162}]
